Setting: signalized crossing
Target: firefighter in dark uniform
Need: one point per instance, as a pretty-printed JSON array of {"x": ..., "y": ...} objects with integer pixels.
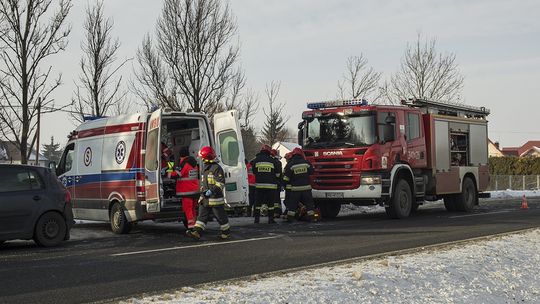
[
  {"x": 212, "y": 195},
  {"x": 279, "y": 175},
  {"x": 266, "y": 183},
  {"x": 296, "y": 176}
]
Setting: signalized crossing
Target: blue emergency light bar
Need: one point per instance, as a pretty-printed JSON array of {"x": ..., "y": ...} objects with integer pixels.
[{"x": 336, "y": 104}]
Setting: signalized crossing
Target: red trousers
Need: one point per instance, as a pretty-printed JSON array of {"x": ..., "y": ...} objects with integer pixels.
[{"x": 189, "y": 205}]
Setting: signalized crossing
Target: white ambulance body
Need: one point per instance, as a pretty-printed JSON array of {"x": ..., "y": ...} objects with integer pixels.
[{"x": 112, "y": 166}]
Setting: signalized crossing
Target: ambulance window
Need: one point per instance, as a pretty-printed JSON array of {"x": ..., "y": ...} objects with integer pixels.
[
  {"x": 66, "y": 163},
  {"x": 228, "y": 143},
  {"x": 413, "y": 126},
  {"x": 151, "y": 150}
]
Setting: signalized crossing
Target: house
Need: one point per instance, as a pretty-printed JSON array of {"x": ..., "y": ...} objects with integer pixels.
[
  {"x": 493, "y": 149},
  {"x": 530, "y": 148},
  {"x": 10, "y": 154}
]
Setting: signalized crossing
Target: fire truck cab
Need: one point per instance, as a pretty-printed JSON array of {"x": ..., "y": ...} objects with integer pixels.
[
  {"x": 395, "y": 156},
  {"x": 113, "y": 166}
]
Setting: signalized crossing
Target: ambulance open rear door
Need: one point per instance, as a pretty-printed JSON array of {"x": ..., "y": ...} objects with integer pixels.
[
  {"x": 152, "y": 163},
  {"x": 230, "y": 148}
]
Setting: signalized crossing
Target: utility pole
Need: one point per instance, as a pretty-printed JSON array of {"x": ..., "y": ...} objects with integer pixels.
[{"x": 38, "y": 130}]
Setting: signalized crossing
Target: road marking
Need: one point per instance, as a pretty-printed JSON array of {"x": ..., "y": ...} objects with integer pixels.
[
  {"x": 195, "y": 246},
  {"x": 478, "y": 214}
]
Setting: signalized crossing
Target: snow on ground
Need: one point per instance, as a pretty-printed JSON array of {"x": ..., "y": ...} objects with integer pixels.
[
  {"x": 499, "y": 270},
  {"x": 502, "y": 194}
]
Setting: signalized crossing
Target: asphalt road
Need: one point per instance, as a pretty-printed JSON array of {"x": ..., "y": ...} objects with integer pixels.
[{"x": 97, "y": 265}]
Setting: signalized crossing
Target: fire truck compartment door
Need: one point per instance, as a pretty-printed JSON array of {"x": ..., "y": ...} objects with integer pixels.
[
  {"x": 152, "y": 163},
  {"x": 230, "y": 148}
]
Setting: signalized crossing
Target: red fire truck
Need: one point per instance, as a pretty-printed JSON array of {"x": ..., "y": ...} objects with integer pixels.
[{"x": 396, "y": 156}]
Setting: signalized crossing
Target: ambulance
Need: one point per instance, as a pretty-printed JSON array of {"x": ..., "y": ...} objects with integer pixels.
[{"x": 112, "y": 166}]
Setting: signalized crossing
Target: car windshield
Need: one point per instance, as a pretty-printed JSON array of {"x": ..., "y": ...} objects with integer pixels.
[{"x": 334, "y": 130}]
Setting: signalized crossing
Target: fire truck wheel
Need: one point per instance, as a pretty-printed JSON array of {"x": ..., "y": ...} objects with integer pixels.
[
  {"x": 450, "y": 203},
  {"x": 330, "y": 210},
  {"x": 401, "y": 202},
  {"x": 467, "y": 198},
  {"x": 119, "y": 221},
  {"x": 50, "y": 229}
]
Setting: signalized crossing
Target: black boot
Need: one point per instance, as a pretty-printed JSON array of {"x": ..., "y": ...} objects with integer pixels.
[
  {"x": 225, "y": 234},
  {"x": 194, "y": 233},
  {"x": 257, "y": 215}
]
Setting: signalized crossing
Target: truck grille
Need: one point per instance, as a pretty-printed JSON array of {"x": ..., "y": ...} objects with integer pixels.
[{"x": 335, "y": 173}]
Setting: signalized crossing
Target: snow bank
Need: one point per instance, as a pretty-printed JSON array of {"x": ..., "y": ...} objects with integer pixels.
[
  {"x": 502, "y": 194},
  {"x": 500, "y": 270}
]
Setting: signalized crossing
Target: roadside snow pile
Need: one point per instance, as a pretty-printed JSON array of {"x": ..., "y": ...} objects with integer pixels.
[
  {"x": 501, "y": 194},
  {"x": 500, "y": 270},
  {"x": 350, "y": 209}
]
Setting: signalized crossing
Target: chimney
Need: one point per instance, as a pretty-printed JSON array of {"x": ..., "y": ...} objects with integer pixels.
[{"x": 497, "y": 145}]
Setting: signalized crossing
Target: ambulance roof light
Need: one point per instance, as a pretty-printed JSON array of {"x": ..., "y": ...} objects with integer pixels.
[{"x": 336, "y": 104}]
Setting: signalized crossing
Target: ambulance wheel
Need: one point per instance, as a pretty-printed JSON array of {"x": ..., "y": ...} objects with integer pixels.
[
  {"x": 330, "y": 210},
  {"x": 450, "y": 203},
  {"x": 119, "y": 221},
  {"x": 466, "y": 200},
  {"x": 401, "y": 203}
]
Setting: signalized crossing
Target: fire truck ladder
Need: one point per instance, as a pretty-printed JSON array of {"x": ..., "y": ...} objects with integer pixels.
[{"x": 436, "y": 107}]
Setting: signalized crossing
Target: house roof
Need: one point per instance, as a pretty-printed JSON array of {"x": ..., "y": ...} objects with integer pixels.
[
  {"x": 9, "y": 151},
  {"x": 519, "y": 151}
]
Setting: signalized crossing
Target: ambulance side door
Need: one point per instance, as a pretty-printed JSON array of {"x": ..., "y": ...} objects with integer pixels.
[
  {"x": 152, "y": 163},
  {"x": 230, "y": 149}
]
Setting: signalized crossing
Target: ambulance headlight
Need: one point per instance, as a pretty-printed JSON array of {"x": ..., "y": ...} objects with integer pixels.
[{"x": 370, "y": 180}]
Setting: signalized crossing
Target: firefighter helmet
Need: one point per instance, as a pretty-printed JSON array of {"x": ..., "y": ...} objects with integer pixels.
[
  {"x": 266, "y": 148},
  {"x": 288, "y": 155},
  {"x": 207, "y": 153},
  {"x": 297, "y": 151},
  {"x": 274, "y": 152}
]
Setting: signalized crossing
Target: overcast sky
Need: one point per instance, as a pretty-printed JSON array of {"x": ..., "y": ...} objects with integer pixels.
[{"x": 305, "y": 43}]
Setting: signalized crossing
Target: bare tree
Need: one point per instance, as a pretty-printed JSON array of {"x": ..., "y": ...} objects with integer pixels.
[
  {"x": 194, "y": 55},
  {"x": 274, "y": 127},
  {"x": 426, "y": 73},
  {"x": 99, "y": 90},
  {"x": 359, "y": 80},
  {"x": 30, "y": 32}
]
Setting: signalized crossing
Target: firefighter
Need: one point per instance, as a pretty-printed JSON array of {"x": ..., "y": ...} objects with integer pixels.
[
  {"x": 212, "y": 195},
  {"x": 187, "y": 185},
  {"x": 277, "y": 193},
  {"x": 287, "y": 188},
  {"x": 297, "y": 173},
  {"x": 252, "y": 189},
  {"x": 266, "y": 183}
]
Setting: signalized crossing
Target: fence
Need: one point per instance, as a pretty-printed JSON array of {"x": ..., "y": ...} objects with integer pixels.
[{"x": 514, "y": 182}]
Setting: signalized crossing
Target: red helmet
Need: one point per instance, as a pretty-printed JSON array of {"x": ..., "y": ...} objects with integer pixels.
[
  {"x": 274, "y": 152},
  {"x": 207, "y": 153},
  {"x": 266, "y": 148},
  {"x": 297, "y": 151},
  {"x": 288, "y": 155}
]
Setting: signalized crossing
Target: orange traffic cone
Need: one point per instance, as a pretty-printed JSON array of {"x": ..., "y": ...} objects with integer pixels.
[{"x": 524, "y": 204}]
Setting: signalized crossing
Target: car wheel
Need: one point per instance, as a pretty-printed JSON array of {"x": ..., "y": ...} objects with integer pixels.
[
  {"x": 450, "y": 203},
  {"x": 401, "y": 202},
  {"x": 50, "y": 229},
  {"x": 119, "y": 221},
  {"x": 467, "y": 198},
  {"x": 330, "y": 210}
]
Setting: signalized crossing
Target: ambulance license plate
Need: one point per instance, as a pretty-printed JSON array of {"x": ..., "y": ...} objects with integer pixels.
[{"x": 334, "y": 194}]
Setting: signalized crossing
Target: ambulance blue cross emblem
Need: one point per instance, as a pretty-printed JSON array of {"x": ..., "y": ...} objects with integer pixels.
[{"x": 120, "y": 153}]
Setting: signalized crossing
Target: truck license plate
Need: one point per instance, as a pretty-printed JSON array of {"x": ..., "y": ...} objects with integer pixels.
[{"x": 334, "y": 194}]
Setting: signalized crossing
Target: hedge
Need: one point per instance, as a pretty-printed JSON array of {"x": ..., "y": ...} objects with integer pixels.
[{"x": 511, "y": 165}]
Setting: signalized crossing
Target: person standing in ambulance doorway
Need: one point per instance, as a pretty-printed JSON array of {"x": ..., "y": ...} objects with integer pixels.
[
  {"x": 297, "y": 173},
  {"x": 212, "y": 197},
  {"x": 187, "y": 185},
  {"x": 252, "y": 189},
  {"x": 277, "y": 193},
  {"x": 266, "y": 183}
]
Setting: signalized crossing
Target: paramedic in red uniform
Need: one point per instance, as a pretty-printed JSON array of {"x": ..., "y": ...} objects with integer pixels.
[
  {"x": 187, "y": 185},
  {"x": 252, "y": 189},
  {"x": 212, "y": 198}
]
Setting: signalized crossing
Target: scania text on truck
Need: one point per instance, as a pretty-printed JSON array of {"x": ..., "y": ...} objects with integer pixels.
[
  {"x": 112, "y": 166},
  {"x": 396, "y": 156}
]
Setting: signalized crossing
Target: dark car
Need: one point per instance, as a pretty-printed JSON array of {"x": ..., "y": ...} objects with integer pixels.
[{"x": 33, "y": 205}]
